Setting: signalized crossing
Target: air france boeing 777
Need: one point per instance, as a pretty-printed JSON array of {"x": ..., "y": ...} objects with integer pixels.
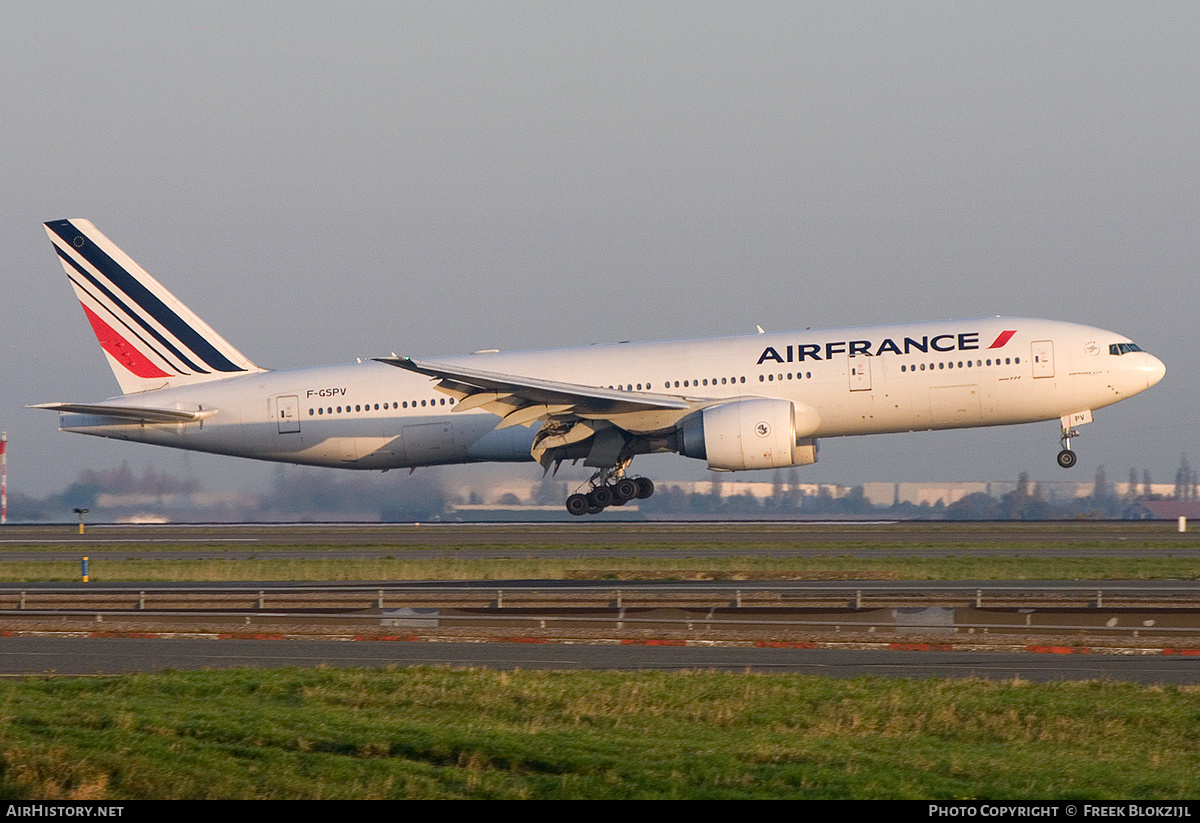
[{"x": 758, "y": 401}]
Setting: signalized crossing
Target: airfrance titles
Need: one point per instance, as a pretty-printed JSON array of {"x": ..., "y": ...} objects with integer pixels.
[{"x": 960, "y": 341}]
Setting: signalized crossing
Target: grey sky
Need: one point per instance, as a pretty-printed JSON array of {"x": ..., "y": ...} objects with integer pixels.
[{"x": 323, "y": 181}]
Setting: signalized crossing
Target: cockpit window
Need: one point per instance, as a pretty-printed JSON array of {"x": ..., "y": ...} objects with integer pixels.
[{"x": 1123, "y": 348}]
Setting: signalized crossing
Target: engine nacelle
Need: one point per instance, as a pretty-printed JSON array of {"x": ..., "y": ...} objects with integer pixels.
[{"x": 759, "y": 433}]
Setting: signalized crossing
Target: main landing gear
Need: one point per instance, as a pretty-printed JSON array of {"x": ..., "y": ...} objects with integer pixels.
[
  {"x": 1066, "y": 457},
  {"x": 609, "y": 491}
]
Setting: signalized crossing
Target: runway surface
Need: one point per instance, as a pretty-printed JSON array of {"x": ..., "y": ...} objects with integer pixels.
[
  {"x": 609, "y": 540},
  {"x": 91, "y": 656},
  {"x": 83, "y": 656}
]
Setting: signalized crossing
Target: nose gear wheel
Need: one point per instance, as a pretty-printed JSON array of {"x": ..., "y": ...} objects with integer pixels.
[{"x": 1066, "y": 457}]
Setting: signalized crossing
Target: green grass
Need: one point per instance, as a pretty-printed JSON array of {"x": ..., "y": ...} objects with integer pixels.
[
  {"x": 442, "y": 733},
  {"x": 462, "y": 567}
]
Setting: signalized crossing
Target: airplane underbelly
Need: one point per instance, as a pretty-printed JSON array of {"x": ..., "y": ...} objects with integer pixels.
[
  {"x": 428, "y": 444},
  {"x": 467, "y": 438},
  {"x": 955, "y": 405}
]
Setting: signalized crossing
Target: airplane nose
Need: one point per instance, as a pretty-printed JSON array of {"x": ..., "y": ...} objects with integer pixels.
[{"x": 1154, "y": 369}]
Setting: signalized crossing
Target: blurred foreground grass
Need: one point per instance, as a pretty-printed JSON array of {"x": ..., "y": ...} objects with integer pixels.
[{"x": 444, "y": 733}]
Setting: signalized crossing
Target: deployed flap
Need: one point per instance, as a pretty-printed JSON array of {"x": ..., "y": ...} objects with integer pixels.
[{"x": 141, "y": 414}]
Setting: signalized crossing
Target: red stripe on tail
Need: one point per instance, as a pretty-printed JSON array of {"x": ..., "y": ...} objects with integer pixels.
[{"x": 119, "y": 348}]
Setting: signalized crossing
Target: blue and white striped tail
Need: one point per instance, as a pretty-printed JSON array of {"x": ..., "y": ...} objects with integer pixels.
[{"x": 152, "y": 340}]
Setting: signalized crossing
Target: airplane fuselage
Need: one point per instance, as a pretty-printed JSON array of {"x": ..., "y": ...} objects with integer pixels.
[
  {"x": 868, "y": 380},
  {"x": 739, "y": 403}
]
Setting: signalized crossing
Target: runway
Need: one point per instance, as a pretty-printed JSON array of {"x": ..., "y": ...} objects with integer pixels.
[
  {"x": 610, "y": 540},
  {"x": 93, "y": 655}
]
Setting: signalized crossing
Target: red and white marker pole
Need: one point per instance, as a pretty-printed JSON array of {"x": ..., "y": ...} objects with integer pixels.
[{"x": 3, "y": 478}]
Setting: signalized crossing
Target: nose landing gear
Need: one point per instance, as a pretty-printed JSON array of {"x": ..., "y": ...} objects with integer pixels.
[{"x": 1066, "y": 457}]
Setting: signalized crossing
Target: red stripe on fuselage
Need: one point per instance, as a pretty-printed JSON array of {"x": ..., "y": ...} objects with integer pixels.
[
  {"x": 1004, "y": 337},
  {"x": 120, "y": 349}
]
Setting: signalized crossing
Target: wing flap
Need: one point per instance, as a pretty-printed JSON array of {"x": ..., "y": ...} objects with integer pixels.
[
  {"x": 526, "y": 415},
  {"x": 475, "y": 401}
]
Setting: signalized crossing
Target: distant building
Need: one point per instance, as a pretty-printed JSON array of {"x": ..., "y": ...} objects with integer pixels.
[{"x": 947, "y": 492}]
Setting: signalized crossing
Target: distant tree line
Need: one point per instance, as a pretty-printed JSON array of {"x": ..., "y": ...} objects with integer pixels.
[
  {"x": 294, "y": 493},
  {"x": 301, "y": 493}
]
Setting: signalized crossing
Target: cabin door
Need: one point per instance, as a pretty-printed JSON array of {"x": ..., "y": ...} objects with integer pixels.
[
  {"x": 1043, "y": 358},
  {"x": 860, "y": 373},
  {"x": 287, "y": 413}
]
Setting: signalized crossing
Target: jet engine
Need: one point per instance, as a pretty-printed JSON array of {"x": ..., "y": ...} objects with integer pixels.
[{"x": 758, "y": 433}]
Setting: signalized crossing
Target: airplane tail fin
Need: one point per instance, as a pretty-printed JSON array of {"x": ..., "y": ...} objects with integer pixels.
[{"x": 150, "y": 338}]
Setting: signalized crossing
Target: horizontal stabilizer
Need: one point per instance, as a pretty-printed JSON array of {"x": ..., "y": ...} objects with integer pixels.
[{"x": 135, "y": 413}]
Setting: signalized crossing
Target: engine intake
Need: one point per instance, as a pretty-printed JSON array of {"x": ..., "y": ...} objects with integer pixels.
[{"x": 759, "y": 433}]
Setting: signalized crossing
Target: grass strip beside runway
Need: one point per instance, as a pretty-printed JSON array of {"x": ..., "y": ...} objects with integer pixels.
[
  {"x": 684, "y": 565},
  {"x": 442, "y": 733}
]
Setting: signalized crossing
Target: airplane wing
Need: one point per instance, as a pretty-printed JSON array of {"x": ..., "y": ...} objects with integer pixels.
[
  {"x": 135, "y": 413},
  {"x": 523, "y": 400},
  {"x": 569, "y": 413}
]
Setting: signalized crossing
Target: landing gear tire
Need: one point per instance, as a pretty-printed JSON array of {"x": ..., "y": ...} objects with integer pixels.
[
  {"x": 1067, "y": 458},
  {"x": 600, "y": 497},
  {"x": 609, "y": 487},
  {"x": 624, "y": 490}
]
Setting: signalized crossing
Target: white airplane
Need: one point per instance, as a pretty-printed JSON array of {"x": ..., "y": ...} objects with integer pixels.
[{"x": 757, "y": 401}]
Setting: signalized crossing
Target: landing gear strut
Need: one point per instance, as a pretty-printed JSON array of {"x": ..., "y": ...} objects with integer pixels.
[
  {"x": 609, "y": 487},
  {"x": 1066, "y": 457}
]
